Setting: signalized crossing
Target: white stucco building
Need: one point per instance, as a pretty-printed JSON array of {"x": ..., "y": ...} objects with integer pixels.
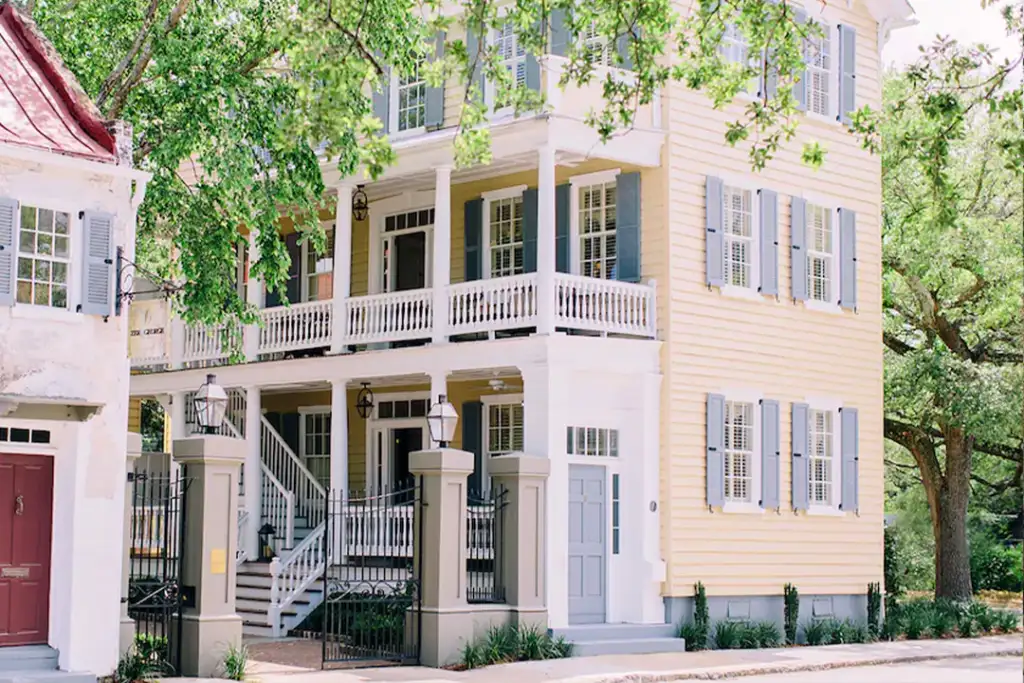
[{"x": 68, "y": 197}]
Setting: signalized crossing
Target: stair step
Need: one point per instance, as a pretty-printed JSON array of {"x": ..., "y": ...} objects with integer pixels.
[
  {"x": 262, "y": 595},
  {"x": 24, "y": 658},
  {"x": 590, "y": 632},
  {"x": 257, "y": 629},
  {"x": 629, "y": 646}
]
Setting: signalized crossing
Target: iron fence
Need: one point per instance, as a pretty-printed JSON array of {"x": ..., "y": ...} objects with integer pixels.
[{"x": 485, "y": 539}]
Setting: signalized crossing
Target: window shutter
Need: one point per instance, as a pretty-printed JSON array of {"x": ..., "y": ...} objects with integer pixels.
[
  {"x": 530, "y": 230},
  {"x": 532, "y": 65},
  {"x": 716, "y": 450},
  {"x": 472, "y": 47},
  {"x": 800, "y": 448},
  {"x": 433, "y": 116},
  {"x": 98, "y": 271},
  {"x": 769, "y": 236},
  {"x": 850, "y": 459},
  {"x": 800, "y": 85},
  {"x": 848, "y": 259},
  {"x": 559, "y": 34},
  {"x": 627, "y": 227},
  {"x": 381, "y": 101},
  {"x": 472, "y": 440},
  {"x": 563, "y": 205},
  {"x": 622, "y": 47},
  {"x": 798, "y": 247},
  {"x": 847, "y": 72},
  {"x": 294, "y": 289},
  {"x": 9, "y": 216},
  {"x": 714, "y": 268},
  {"x": 474, "y": 234},
  {"x": 770, "y": 447}
]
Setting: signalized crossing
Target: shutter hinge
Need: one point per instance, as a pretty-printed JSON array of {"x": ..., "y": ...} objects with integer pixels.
[
  {"x": 109, "y": 261},
  {"x": 81, "y": 215},
  {"x": 796, "y": 247}
]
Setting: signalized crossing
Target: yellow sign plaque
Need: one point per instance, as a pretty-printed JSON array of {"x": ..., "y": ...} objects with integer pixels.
[{"x": 218, "y": 561}]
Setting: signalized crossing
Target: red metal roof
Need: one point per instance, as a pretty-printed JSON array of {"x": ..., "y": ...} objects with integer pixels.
[{"x": 41, "y": 104}]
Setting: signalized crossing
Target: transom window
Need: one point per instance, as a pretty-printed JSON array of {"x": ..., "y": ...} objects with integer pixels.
[
  {"x": 738, "y": 219},
  {"x": 412, "y": 101},
  {"x": 739, "y": 451},
  {"x": 505, "y": 231},
  {"x": 820, "y": 253},
  {"x": 20, "y": 435},
  {"x": 822, "y": 457},
  {"x": 407, "y": 221},
  {"x": 44, "y": 256},
  {"x": 316, "y": 445},
  {"x": 818, "y": 56},
  {"x": 592, "y": 441},
  {"x": 504, "y": 428},
  {"x": 597, "y": 230},
  {"x": 415, "y": 407},
  {"x": 512, "y": 56}
]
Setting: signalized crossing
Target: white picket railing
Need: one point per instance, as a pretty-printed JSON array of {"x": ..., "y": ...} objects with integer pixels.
[
  {"x": 281, "y": 460},
  {"x": 496, "y": 304},
  {"x": 610, "y": 306},
  {"x": 291, "y": 576},
  {"x": 298, "y": 326},
  {"x": 278, "y": 507},
  {"x": 379, "y": 532},
  {"x": 243, "y": 526},
  {"x": 389, "y": 317},
  {"x": 214, "y": 342},
  {"x": 480, "y": 531}
]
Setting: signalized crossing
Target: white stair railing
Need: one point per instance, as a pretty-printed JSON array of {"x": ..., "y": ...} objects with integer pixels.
[
  {"x": 243, "y": 526},
  {"x": 278, "y": 508},
  {"x": 291, "y": 576},
  {"x": 281, "y": 460}
]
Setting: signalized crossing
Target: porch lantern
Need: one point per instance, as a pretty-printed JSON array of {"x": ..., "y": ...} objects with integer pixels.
[
  {"x": 266, "y": 535},
  {"x": 360, "y": 206},
  {"x": 364, "y": 401},
  {"x": 441, "y": 421},
  {"x": 211, "y": 403}
]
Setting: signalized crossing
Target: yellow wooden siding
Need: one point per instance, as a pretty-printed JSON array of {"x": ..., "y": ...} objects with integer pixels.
[
  {"x": 775, "y": 347},
  {"x": 135, "y": 415}
]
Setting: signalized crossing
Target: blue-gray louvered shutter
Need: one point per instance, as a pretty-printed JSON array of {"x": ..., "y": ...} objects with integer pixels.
[
  {"x": 801, "y": 444},
  {"x": 381, "y": 101},
  {"x": 472, "y": 419},
  {"x": 848, "y": 259},
  {"x": 622, "y": 47},
  {"x": 530, "y": 230},
  {"x": 532, "y": 65},
  {"x": 770, "y": 447},
  {"x": 627, "y": 227},
  {"x": 850, "y": 458},
  {"x": 433, "y": 106},
  {"x": 294, "y": 288},
  {"x": 769, "y": 238},
  {"x": 800, "y": 84},
  {"x": 563, "y": 198},
  {"x": 473, "y": 227},
  {"x": 8, "y": 253},
  {"x": 716, "y": 450},
  {"x": 472, "y": 48},
  {"x": 798, "y": 247},
  {"x": 715, "y": 240},
  {"x": 847, "y": 72},
  {"x": 98, "y": 273},
  {"x": 559, "y": 33}
]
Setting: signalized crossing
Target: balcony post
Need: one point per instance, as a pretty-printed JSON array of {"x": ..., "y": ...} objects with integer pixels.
[
  {"x": 253, "y": 297},
  {"x": 546, "y": 240},
  {"x": 342, "y": 262},
  {"x": 338, "y": 492},
  {"x": 442, "y": 251},
  {"x": 253, "y": 474}
]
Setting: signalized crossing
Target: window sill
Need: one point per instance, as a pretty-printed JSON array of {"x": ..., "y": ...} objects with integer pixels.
[
  {"x": 832, "y": 120},
  {"x": 57, "y": 315},
  {"x": 405, "y": 134},
  {"x": 822, "y": 307},
  {"x": 736, "y": 292},
  {"x": 821, "y": 511},
  {"x": 742, "y": 509}
]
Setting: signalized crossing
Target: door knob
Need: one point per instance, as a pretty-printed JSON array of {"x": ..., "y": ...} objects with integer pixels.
[{"x": 19, "y": 506}]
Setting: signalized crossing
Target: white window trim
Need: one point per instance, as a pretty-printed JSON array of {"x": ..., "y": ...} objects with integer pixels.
[
  {"x": 597, "y": 178},
  {"x": 752, "y": 292},
  {"x": 76, "y": 263},
  {"x": 304, "y": 273},
  {"x": 489, "y": 92},
  {"x": 373, "y": 423},
  {"x": 485, "y": 221},
  {"x": 753, "y": 507},
  {"x": 831, "y": 27},
  {"x": 832, "y": 406},
  {"x": 485, "y": 426},
  {"x": 393, "y": 132},
  {"x": 833, "y": 206},
  {"x": 378, "y": 213}
]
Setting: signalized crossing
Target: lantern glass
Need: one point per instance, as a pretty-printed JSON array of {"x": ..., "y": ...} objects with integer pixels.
[
  {"x": 442, "y": 420},
  {"x": 211, "y": 404},
  {"x": 364, "y": 401}
]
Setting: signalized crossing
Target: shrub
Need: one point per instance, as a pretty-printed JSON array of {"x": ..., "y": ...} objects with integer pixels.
[
  {"x": 917, "y": 619},
  {"x": 1007, "y": 621},
  {"x": 791, "y": 612},
  {"x": 235, "y": 661},
  {"x": 501, "y": 644},
  {"x": 512, "y": 643},
  {"x": 984, "y": 616},
  {"x": 136, "y": 667},
  {"x": 472, "y": 655},
  {"x": 893, "y": 563},
  {"x": 817, "y": 632},
  {"x": 696, "y": 633},
  {"x": 994, "y": 565},
  {"x": 729, "y": 635},
  {"x": 861, "y": 633},
  {"x": 840, "y": 632},
  {"x": 942, "y": 622},
  {"x": 768, "y": 634},
  {"x": 965, "y": 625},
  {"x": 874, "y": 607},
  {"x": 693, "y": 637},
  {"x": 749, "y": 636}
]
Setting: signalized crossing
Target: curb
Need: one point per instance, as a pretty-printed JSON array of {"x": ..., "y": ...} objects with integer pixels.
[{"x": 756, "y": 670}]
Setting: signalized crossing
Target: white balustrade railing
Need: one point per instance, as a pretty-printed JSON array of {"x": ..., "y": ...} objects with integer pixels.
[
  {"x": 609, "y": 306},
  {"x": 480, "y": 532},
  {"x": 278, "y": 508},
  {"x": 298, "y": 326},
  {"x": 393, "y": 316},
  {"x": 496, "y": 304},
  {"x": 211, "y": 342},
  {"x": 243, "y": 527},
  {"x": 372, "y": 531},
  {"x": 280, "y": 459},
  {"x": 291, "y": 576}
]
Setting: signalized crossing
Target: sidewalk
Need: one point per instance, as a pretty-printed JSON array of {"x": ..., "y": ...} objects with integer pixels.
[{"x": 661, "y": 667}]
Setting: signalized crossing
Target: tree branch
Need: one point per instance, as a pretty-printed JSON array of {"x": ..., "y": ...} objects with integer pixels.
[
  {"x": 895, "y": 344},
  {"x": 115, "y": 76}
]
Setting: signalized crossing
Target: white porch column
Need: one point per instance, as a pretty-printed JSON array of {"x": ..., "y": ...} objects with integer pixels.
[
  {"x": 253, "y": 297},
  {"x": 546, "y": 241},
  {"x": 342, "y": 261},
  {"x": 252, "y": 470},
  {"x": 339, "y": 464},
  {"x": 442, "y": 251},
  {"x": 651, "y": 606}
]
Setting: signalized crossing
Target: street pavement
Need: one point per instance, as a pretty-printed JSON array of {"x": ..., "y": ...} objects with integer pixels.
[{"x": 980, "y": 670}]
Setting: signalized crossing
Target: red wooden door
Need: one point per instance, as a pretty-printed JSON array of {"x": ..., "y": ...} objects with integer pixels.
[{"x": 26, "y": 513}]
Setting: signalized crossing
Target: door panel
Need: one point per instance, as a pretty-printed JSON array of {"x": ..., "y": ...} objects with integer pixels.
[
  {"x": 587, "y": 544},
  {"x": 26, "y": 509},
  {"x": 410, "y": 261}
]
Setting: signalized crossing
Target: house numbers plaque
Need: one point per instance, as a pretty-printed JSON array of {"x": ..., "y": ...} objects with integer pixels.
[{"x": 14, "y": 573}]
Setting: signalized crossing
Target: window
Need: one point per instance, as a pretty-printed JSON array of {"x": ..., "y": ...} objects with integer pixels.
[
  {"x": 821, "y": 463},
  {"x": 411, "y": 91},
  {"x": 505, "y": 235},
  {"x": 735, "y": 49},
  {"x": 512, "y": 57},
  {"x": 821, "y": 254},
  {"x": 592, "y": 441},
  {"x": 21, "y": 435},
  {"x": 818, "y": 56},
  {"x": 504, "y": 428},
  {"x": 596, "y": 46},
  {"x": 597, "y": 230},
  {"x": 739, "y": 452},
  {"x": 738, "y": 234},
  {"x": 44, "y": 256},
  {"x": 318, "y": 271},
  {"x": 415, "y": 407},
  {"x": 316, "y": 445}
]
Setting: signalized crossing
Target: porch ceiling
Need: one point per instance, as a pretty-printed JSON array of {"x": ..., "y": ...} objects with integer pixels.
[{"x": 384, "y": 381}]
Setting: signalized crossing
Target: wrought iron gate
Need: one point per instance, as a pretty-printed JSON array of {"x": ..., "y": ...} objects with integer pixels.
[
  {"x": 371, "y": 609},
  {"x": 156, "y": 553}
]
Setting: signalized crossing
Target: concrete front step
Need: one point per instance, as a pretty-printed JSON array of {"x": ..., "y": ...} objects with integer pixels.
[
  {"x": 256, "y": 629},
  {"x": 621, "y": 639},
  {"x": 22, "y": 658},
  {"x": 632, "y": 646},
  {"x": 46, "y": 677}
]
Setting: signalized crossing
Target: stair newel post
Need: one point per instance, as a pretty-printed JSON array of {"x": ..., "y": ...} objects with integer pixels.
[
  {"x": 289, "y": 537},
  {"x": 274, "y": 609}
]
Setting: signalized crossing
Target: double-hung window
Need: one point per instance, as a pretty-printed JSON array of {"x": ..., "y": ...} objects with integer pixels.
[
  {"x": 44, "y": 257},
  {"x": 740, "y": 248},
  {"x": 316, "y": 443},
  {"x": 822, "y": 252},
  {"x": 318, "y": 271},
  {"x": 822, "y": 470},
  {"x": 596, "y": 229},
  {"x": 819, "y": 58},
  {"x": 596, "y": 46},
  {"x": 409, "y": 98},
  {"x": 739, "y": 452},
  {"x": 735, "y": 49},
  {"x": 503, "y": 213},
  {"x": 513, "y": 59}
]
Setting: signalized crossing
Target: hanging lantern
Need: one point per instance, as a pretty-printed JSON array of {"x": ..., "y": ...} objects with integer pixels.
[
  {"x": 364, "y": 401},
  {"x": 360, "y": 205}
]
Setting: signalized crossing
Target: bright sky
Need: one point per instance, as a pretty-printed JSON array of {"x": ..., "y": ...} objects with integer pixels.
[{"x": 963, "y": 20}]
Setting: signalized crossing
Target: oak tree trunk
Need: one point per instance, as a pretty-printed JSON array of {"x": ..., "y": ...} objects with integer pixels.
[{"x": 949, "y": 522}]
